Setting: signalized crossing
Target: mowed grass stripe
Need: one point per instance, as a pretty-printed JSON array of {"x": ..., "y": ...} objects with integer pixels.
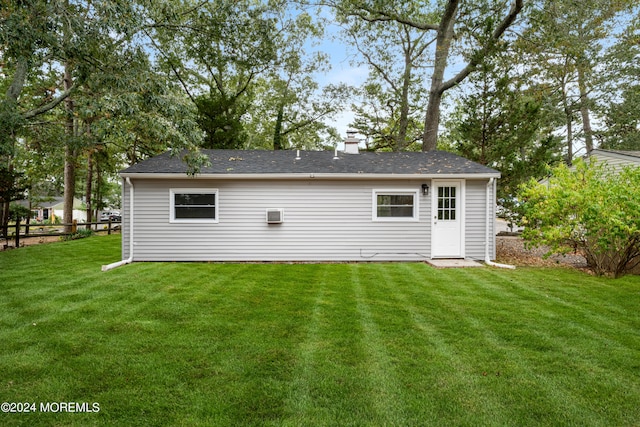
[
  {"x": 300, "y": 404},
  {"x": 385, "y": 391},
  {"x": 546, "y": 304},
  {"x": 458, "y": 393},
  {"x": 235, "y": 340},
  {"x": 330, "y": 384},
  {"x": 557, "y": 311}
]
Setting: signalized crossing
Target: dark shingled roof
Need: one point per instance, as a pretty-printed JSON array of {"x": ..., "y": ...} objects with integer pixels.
[{"x": 229, "y": 162}]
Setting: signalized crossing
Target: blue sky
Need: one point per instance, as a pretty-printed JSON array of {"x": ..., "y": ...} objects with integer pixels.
[{"x": 342, "y": 71}]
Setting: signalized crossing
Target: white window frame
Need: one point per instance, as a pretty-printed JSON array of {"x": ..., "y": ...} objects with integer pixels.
[
  {"x": 172, "y": 210},
  {"x": 394, "y": 192}
]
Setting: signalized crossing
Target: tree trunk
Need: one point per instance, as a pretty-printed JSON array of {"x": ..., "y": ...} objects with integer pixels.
[
  {"x": 584, "y": 110},
  {"x": 19, "y": 77},
  {"x": 401, "y": 138},
  {"x": 88, "y": 192},
  {"x": 443, "y": 44},
  {"x": 98, "y": 195},
  {"x": 8, "y": 183},
  {"x": 69, "y": 155},
  {"x": 5, "y": 219},
  {"x": 569, "y": 120},
  {"x": 277, "y": 132},
  {"x": 569, "y": 159},
  {"x": 28, "y": 222},
  {"x": 13, "y": 93},
  {"x": 432, "y": 122},
  {"x": 485, "y": 121},
  {"x": 69, "y": 187}
]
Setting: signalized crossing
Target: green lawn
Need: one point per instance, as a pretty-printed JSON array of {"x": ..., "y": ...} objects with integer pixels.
[{"x": 308, "y": 345}]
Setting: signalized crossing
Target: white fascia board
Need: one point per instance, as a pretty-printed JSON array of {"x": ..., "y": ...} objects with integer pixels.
[{"x": 319, "y": 176}]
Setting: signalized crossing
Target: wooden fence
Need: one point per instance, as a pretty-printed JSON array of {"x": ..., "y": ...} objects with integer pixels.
[{"x": 19, "y": 231}]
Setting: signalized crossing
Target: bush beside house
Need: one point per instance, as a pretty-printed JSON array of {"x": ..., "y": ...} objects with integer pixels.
[{"x": 589, "y": 208}]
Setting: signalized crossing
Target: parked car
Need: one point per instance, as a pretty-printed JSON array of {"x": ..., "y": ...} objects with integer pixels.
[{"x": 110, "y": 216}]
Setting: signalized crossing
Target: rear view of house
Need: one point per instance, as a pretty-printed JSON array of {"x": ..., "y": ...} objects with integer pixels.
[{"x": 309, "y": 206}]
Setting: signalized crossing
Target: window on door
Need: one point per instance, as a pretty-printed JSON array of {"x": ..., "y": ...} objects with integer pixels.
[{"x": 446, "y": 203}]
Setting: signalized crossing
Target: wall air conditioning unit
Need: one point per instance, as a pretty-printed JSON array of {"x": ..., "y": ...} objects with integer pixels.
[{"x": 275, "y": 216}]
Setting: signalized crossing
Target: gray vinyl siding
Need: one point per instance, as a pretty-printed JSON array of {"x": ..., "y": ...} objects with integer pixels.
[
  {"x": 323, "y": 221},
  {"x": 475, "y": 220}
]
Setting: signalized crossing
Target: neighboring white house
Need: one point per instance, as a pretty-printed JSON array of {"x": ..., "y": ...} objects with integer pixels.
[
  {"x": 309, "y": 206},
  {"x": 54, "y": 208},
  {"x": 616, "y": 159}
]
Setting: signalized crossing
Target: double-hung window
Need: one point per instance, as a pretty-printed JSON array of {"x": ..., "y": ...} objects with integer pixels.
[
  {"x": 395, "y": 205},
  {"x": 194, "y": 205}
]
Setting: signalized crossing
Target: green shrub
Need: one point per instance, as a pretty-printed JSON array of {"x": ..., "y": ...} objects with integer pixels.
[
  {"x": 56, "y": 221},
  {"x": 588, "y": 208},
  {"x": 80, "y": 234},
  {"x": 17, "y": 211}
]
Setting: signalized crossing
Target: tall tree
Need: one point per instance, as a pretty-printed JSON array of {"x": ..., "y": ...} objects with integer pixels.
[
  {"x": 31, "y": 38},
  {"x": 565, "y": 46},
  {"x": 501, "y": 120},
  {"x": 622, "y": 106},
  {"x": 298, "y": 105},
  {"x": 54, "y": 53},
  {"x": 291, "y": 111},
  {"x": 454, "y": 24},
  {"x": 242, "y": 65},
  {"x": 623, "y": 122},
  {"x": 390, "y": 99},
  {"x": 70, "y": 150},
  {"x": 28, "y": 42},
  {"x": 217, "y": 50}
]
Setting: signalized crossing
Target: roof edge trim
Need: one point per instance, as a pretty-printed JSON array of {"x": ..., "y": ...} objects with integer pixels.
[{"x": 320, "y": 176}]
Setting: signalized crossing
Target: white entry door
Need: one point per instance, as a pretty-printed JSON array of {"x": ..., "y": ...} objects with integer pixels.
[{"x": 447, "y": 212}]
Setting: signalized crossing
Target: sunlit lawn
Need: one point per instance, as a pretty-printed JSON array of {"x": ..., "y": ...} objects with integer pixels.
[{"x": 327, "y": 344}]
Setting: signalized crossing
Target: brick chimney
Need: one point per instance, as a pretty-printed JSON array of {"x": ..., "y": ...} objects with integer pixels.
[{"x": 351, "y": 143}]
